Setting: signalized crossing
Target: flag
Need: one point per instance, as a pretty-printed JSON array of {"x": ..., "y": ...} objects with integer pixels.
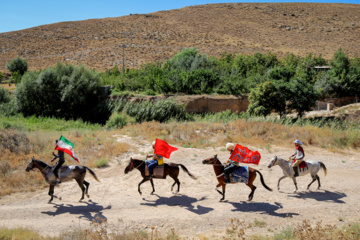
[
  {"x": 162, "y": 148},
  {"x": 66, "y": 146},
  {"x": 244, "y": 155}
]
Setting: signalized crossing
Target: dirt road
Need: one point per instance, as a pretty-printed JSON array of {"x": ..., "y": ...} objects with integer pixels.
[{"x": 196, "y": 210}]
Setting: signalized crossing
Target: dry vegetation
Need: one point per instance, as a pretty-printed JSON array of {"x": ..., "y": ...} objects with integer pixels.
[
  {"x": 281, "y": 28},
  {"x": 18, "y": 148}
]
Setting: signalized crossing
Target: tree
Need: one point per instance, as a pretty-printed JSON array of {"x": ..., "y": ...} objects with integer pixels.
[
  {"x": 301, "y": 96},
  {"x": 264, "y": 99},
  {"x": 17, "y": 65},
  {"x": 65, "y": 91}
]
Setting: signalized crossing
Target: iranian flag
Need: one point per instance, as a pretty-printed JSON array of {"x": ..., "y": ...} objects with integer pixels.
[{"x": 66, "y": 146}]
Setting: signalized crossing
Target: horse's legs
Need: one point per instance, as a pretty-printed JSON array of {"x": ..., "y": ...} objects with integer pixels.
[
  {"x": 314, "y": 178},
  {"x": 280, "y": 180},
  {"x": 87, "y": 188},
  {"x": 176, "y": 182},
  {"x": 223, "y": 190},
  {"x": 295, "y": 183},
  {"x": 318, "y": 178},
  {"x": 251, "y": 195},
  {"x": 153, "y": 188},
  {"x": 51, "y": 193},
  {"x": 81, "y": 185},
  {"x": 142, "y": 181}
]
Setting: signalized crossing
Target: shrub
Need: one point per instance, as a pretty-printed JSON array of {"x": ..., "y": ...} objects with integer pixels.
[
  {"x": 116, "y": 121},
  {"x": 17, "y": 65},
  {"x": 102, "y": 162},
  {"x": 65, "y": 91},
  {"x": 4, "y": 95}
]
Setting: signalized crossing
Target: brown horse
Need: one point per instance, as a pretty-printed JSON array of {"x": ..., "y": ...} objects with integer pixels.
[
  {"x": 171, "y": 169},
  {"x": 219, "y": 172},
  {"x": 68, "y": 173}
]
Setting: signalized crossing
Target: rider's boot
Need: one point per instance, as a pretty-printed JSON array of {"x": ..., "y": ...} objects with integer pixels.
[{"x": 296, "y": 171}]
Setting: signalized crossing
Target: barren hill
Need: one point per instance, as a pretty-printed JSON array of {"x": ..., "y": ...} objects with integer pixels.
[{"x": 281, "y": 28}]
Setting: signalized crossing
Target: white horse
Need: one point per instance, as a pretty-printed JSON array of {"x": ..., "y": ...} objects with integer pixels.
[{"x": 313, "y": 167}]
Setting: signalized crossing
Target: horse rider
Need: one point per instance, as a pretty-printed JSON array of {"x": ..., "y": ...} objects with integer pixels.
[
  {"x": 61, "y": 161},
  {"x": 155, "y": 161},
  {"x": 298, "y": 156},
  {"x": 231, "y": 165}
]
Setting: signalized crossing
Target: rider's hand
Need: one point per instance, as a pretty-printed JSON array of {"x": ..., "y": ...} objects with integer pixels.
[{"x": 53, "y": 153}]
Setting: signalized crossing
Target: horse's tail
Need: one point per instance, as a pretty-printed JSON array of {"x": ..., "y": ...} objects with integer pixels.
[
  {"x": 262, "y": 181},
  {"x": 322, "y": 165},
  {"x": 185, "y": 169},
  {"x": 92, "y": 173}
]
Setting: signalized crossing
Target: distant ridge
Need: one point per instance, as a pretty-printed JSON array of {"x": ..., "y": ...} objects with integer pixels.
[{"x": 281, "y": 28}]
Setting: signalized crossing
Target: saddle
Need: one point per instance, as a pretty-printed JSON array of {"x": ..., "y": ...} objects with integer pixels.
[
  {"x": 159, "y": 171},
  {"x": 241, "y": 174},
  {"x": 302, "y": 164}
]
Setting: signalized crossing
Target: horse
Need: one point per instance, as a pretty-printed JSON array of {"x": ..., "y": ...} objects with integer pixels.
[
  {"x": 219, "y": 172},
  {"x": 171, "y": 169},
  {"x": 313, "y": 167},
  {"x": 68, "y": 173}
]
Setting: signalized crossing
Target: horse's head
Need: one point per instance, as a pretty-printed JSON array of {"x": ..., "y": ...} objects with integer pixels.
[
  {"x": 129, "y": 167},
  {"x": 211, "y": 160},
  {"x": 31, "y": 165},
  {"x": 273, "y": 161}
]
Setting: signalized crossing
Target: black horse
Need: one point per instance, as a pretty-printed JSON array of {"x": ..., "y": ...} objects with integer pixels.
[
  {"x": 68, "y": 173},
  {"x": 171, "y": 169}
]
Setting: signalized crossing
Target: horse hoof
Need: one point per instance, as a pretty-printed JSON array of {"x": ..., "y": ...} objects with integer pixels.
[
  {"x": 60, "y": 198},
  {"x": 88, "y": 196}
]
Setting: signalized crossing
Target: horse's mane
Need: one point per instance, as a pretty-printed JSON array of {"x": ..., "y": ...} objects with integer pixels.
[{"x": 41, "y": 163}]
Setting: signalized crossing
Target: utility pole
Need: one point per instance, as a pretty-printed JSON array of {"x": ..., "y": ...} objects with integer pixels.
[{"x": 123, "y": 46}]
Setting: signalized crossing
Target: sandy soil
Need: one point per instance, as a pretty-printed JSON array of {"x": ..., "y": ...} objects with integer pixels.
[{"x": 196, "y": 210}]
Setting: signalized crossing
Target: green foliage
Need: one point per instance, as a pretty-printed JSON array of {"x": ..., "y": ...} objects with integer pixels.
[
  {"x": 116, "y": 120},
  {"x": 1, "y": 76},
  {"x": 65, "y": 91},
  {"x": 4, "y": 95},
  {"x": 102, "y": 162},
  {"x": 17, "y": 65},
  {"x": 264, "y": 99}
]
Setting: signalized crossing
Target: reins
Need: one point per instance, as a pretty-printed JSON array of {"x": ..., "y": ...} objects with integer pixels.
[{"x": 132, "y": 165}]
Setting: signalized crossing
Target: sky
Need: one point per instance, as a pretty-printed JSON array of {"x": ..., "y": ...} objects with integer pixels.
[{"x": 21, "y": 14}]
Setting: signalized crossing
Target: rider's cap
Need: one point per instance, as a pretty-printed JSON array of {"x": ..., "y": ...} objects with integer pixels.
[
  {"x": 298, "y": 141},
  {"x": 230, "y": 146}
]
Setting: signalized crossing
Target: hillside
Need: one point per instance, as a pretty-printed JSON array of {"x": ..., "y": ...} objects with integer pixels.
[{"x": 281, "y": 28}]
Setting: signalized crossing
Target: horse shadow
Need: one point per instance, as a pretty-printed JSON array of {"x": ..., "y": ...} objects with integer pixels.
[
  {"x": 262, "y": 208},
  {"x": 326, "y": 196},
  {"x": 92, "y": 211},
  {"x": 179, "y": 200}
]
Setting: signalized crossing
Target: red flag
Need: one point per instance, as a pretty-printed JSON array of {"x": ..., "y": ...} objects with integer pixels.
[
  {"x": 244, "y": 155},
  {"x": 162, "y": 148}
]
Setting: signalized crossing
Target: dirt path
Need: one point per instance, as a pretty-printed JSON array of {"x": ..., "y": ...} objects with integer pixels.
[{"x": 196, "y": 210}]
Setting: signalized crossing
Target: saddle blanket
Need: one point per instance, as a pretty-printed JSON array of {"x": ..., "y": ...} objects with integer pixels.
[
  {"x": 241, "y": 175},
  {"x": 302, "y": 164},
  {"x": 159, "y": 171}
]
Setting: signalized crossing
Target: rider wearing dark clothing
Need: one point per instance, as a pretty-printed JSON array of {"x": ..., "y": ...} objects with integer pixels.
[
  {"x": 232, "y": 165},
  {"x": 61, "y": 161}
]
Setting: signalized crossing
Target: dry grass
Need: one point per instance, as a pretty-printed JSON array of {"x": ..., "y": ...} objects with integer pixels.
[
  {"x": 91, "y": 146},
  {"x": 238, "y": 229},
  {"x": 281, "y": 28}
]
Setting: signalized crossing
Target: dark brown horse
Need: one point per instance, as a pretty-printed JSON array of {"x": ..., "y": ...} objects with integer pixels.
[
  {"x": 219, "y": 172},
  {"x": 171, "y": 169},
  {"x": 68, "y": 173}
]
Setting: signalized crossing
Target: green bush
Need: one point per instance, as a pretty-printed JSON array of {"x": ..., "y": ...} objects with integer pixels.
[
  {"x": 102, "y": 162},
  {"x": 4, "y": 95},
  {"x": 65, "y": 91},
  {"x": 17, "y": 65},
  {"x": 116, "y": 120}
]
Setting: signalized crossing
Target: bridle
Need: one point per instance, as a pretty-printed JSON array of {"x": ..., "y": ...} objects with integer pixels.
[
  {"x": 132, "y": 165},
  {"x": 214, "y": 160}
]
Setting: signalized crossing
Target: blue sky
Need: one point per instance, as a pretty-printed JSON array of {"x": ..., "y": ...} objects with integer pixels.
[{"x": 21, "y": 14}]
